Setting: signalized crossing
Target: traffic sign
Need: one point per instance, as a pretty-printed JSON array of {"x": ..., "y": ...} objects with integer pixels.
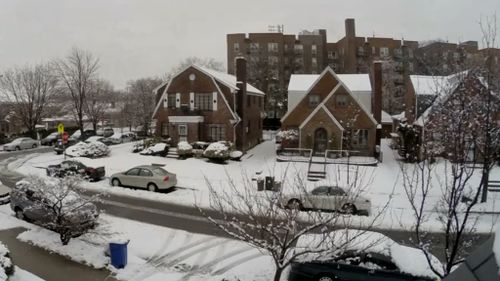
[{"x": 60, "y": 128}]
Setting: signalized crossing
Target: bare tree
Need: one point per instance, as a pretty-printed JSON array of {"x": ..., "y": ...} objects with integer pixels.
[
  {"x": 29, "y": 89},
  {"x": 77, "y": 74},
  {"x": 60, "y": 205},
  {"x": 98, "y": 100},
  {"x": 141, "y": 93},
  {"x": 262, "y": 221}
]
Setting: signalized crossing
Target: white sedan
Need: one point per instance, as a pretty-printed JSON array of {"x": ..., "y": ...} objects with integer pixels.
[
  {"x": 327, "y": 197},
  {"x": 20, "y": 143}
]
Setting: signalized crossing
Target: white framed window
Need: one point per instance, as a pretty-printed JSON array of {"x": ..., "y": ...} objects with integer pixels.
[
  {"x": 272, "y": 47},
  {"x": 217, "y": 132},
  {"x": 314, "y": 100},
  {"x": 254, "y": 47},
  {"x": 360, "y": 138},
  {"x": 236, "y": 47},
  {"x": 331, "y": 55},
  {"x": 273, "y": 60},
  {"x": 299, "y": 48},
  {"x": 203, "y": 101},
  {"x": 171, "y": 100},
  {"x": 183, "y": 130},
  {"x": 341, "y": 100},
  {"x": 314, "y": 50},
  {"x": 384, "y": 51}
]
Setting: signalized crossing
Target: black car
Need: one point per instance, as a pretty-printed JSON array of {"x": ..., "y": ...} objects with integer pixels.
[
  {"x": 73, "y": 167},
  {"x": 50, "y": 139},
  {"x": 353, "y": 267}
]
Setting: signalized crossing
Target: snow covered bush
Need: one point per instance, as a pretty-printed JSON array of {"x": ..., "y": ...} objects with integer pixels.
[
  {"x": 184, "y": 149},
  {"x": 160, "y": 149},
  {"x": 6, "y": 266},
  {"x": 290, "y": 135},
  {"x": 90, "y": 150},
  {"x": 217, "y": 152},
  {"x": 65, "y": 210}
]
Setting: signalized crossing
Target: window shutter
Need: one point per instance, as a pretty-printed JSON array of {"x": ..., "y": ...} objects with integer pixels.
[
  {"x": 191, "y": 101},
  {"x": 214, "y": 105},
  {"x": 178, "y": 100},
  {"x": 165, "y": 101}
]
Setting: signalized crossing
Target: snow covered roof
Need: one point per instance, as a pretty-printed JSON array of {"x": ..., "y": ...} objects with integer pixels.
[
  {"x": 227, "y": 79},
  {"x": 355, "y": 82}
]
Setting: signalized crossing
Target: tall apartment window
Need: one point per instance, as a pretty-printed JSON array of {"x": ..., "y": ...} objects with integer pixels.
[
  {"x": 360, "y": 138},
  {"x": 398, "y": 52},
  {"x": 410, "y": 66},
  {"x": 254, "y": 47},
  {"x": 384, "y": 51},
  {"x": 410, "y": 53},
  {"x": 299, "y": 61},
  {"x": 273, "y": 60},
  {"x": 203, "y": 101},
  {"x": 285, "y": 48},
  {"x": 331, "y": 55},
  {"x": 445, "y": 55},
  {"x": 272, "y": 47},
  {"x": 314, "y": 63},
  {"x": 171, "y": 99},
  {"x": 314, "y": 50},
  {"x": 374, "y": 50},
  {"x": 299, "y": 48},
  {"x": 341, "y": 100},
  {"x": 313, "y": 100},
  {"x": 236, "y": 47},
  {"x": 217, "y": 132},
  {"x": 456, "y": 55},
  {"x": 287, "y": 61}
]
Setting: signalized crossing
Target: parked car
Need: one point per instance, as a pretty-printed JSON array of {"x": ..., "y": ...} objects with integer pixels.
[
  {"x": 118, "y": 138},
  {"x": 75, "y": 166},
  {"x": 108, "y": 132},
  {"x": 95, "y": 138},
  {"x": 32, "y": 204},
  {"x": 77, "y": 135},
  {"x": 4, "y": 194},
  {"x": 328, "y": 197},
  {"x": 50, "y": 139},
  {"x": 361, "y": 256},
  {"x": 59, "y": 147},
  {"x": 150, "y": 177},
  {"x": 20, "y": 143}
]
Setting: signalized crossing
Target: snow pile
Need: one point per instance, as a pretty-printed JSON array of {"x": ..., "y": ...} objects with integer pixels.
[
  {"x": 337, "y": 242},
  {"x": 288, "y": 134},
  {"x": 91, "y": 150},
  {"x": 217, "y": 151},
  {"x": 159, "y": 147},
  {"x": 235, "y": 155},
  {"x": 6, "y": 266}
]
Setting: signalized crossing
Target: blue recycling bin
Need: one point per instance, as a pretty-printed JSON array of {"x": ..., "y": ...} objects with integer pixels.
[{"x": 118, "y": 253}]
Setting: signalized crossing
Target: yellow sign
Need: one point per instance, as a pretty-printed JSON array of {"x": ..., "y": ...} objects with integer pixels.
[{"x": 60, "y": 128}]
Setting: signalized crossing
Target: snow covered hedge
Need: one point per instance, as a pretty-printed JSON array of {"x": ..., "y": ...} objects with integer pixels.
[
  {"x": 157, "y": 149},
  {"x": 184, "y": 149},
  {"x": 6, "y": 266},
  {"x": 90, "y": 150},
  {"x": 217, "y": 152},
  {"x": 288, "y": 135}
]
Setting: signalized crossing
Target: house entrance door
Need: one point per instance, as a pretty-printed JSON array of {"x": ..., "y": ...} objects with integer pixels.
[{"x": 320, "y": 140}]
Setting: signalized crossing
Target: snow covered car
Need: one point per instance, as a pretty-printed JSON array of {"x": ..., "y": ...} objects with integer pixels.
[
  {"x": 6, "y": 265},
  {"x": 118, "y": 138},
  {"x": 30, "y": 202},
  {"x": 77, "y": 166},
  {"x": 327, "y": 197},
  {"x": 150, "y": 177},
  {"x": 360, "y": 256},
  {"x": 4, "y": 194},
  {"x": 50, "y": 139},
  {"x": 20, "y": 143},
  {"x": 159, "y": 149}
]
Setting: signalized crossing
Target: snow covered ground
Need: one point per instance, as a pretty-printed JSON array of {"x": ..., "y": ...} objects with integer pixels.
[{"x": 382, "y": 184}]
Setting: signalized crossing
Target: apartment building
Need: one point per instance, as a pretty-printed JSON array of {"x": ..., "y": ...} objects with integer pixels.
[{"x": 444, "y": 58}]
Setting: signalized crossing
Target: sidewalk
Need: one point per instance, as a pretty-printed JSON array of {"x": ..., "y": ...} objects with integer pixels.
[{"x": 51, "y": 267}]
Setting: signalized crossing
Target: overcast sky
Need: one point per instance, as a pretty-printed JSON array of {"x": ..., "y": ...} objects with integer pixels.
[{"x": 138, "y": 38}]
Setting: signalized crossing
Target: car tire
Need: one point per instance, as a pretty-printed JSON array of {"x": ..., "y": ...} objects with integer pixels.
[
  {"x": 18, "y": 148},
  {"x": 33, "y": 146},
  {"x": 349, "y": 208},
  {"x": 294, "y": 204},
  {"x": 325, "y": 278},
  {"x": 19, "y": 214},
  {"x": 152, "y": 187},
  {"x": 116, "y": 182}
]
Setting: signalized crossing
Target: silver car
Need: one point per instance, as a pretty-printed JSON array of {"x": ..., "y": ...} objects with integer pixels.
[
  {"x": 150, "y": 177},
  {"x": 20, "y": 143},
  {"x": 4, "y": 194},
  {"x": 326, "y": 197}
]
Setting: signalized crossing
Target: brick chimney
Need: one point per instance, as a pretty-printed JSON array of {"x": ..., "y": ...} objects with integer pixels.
[
  {"x": 377, "y": 91},
  {"x": 350, "y": 28},
  {"x": 241, "y": 99}
]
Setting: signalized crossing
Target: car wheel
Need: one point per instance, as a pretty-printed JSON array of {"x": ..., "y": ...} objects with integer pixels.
[
  {"x": 325, "y": 278},
  {"x": 349, "y": 209},
  {"x": 115, "y": 182},
  {"x": 152, "y": 187},
  {"x": 294, "y": 204},
  {"x": 33, "y": 146},
  {"x": 18, "y": 148},
  {"x": 20, "y": 214}
]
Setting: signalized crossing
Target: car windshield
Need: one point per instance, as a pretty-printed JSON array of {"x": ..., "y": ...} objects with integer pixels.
[
  {"x": 159, "y": 171},
  {"x": 18, "y": 140}
]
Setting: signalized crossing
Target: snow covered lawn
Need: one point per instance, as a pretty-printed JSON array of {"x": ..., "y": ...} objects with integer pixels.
[{"x": 382, "y": 184}]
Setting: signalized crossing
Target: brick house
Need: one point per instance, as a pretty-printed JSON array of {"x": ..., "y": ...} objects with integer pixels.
[
  {"x": 337, "y": 112},
  {"x": 200, "y": 104}
]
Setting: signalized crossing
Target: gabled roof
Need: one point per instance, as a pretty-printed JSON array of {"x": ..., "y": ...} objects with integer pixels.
[
  {"x": 355, "y": 82},
  {"x": 227, "y": 79}
]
